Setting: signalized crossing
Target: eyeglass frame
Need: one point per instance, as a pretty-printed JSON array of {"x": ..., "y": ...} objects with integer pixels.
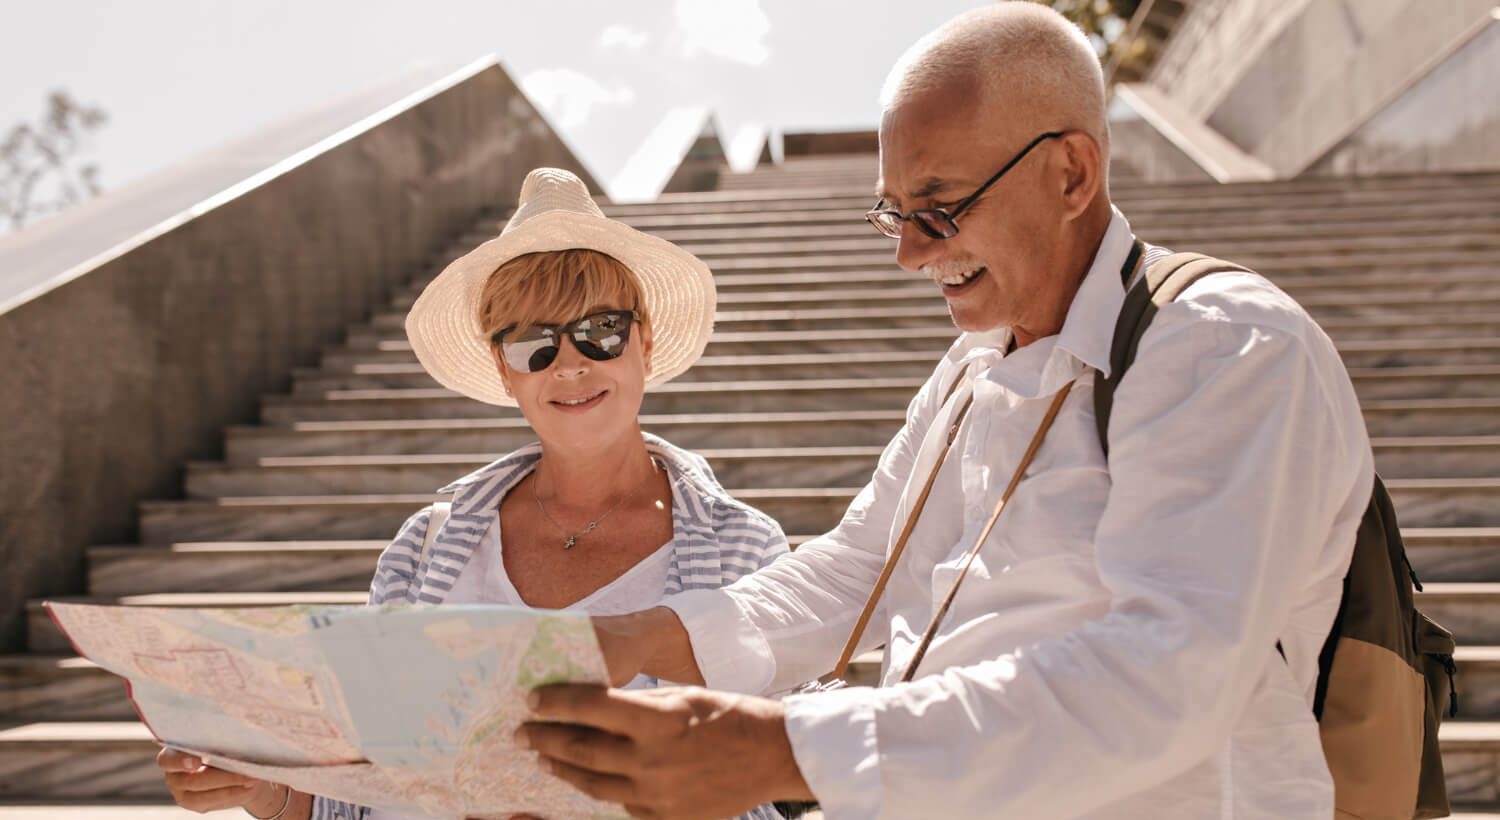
[
  {"x": 570, "y": 331},
  {"x": 951, "y": 219}
]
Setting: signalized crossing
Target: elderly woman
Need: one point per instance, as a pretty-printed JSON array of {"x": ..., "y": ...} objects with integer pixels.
[{"x": 570, "y": 317}]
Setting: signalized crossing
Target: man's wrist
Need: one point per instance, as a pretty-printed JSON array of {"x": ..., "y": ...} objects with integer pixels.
[{"x": 789, "y": 784}]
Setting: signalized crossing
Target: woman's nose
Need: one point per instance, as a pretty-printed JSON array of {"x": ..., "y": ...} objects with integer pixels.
[{"x": 570, "y": 363}]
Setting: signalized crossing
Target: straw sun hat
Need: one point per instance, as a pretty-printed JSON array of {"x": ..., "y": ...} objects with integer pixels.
[{"x": 556, "y": 213}]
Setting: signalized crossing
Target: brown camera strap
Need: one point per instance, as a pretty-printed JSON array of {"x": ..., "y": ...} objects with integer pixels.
[{"x": 911, "y": 522}]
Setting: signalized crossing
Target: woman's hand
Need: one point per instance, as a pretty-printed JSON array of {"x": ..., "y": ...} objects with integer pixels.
[
  {"x": 652, "y": 641},
  {"x": 202, "y": 788}
]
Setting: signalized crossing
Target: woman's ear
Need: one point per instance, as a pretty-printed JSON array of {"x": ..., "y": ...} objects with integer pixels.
[{"x": 502, "y": 368}]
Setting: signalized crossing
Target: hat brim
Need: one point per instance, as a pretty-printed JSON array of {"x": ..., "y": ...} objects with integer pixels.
[{"x": 677, "y": 287}]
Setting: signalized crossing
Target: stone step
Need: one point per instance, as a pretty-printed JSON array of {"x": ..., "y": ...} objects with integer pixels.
[
  {"x": 1205, "y": 198},
  {"x": 245, "y": 444},
  {"x": 911, "y": 364},
  {"x": 1457, "y": 306},
  {"x": 1468, "y": 502},
  {"x": 117, "y": 760},
  {"x": 1385, "y": 418},
  {"x": 1401, "y": 237},
  {"x": 836, "y": 226},
  {"x": 1451, "y": 390},
  {"x": 1447, "y": 347},
  {"x": 1371, "y": 382},
  {"x": 1291, "y": 217},
  {"x": 1437, "y": 553},
  {"x": 1261, "y": 261},
  {"x": 345, "y": 517},
  {"x": 236, "y": 566},
  {"x": 873, "y": 392},
  {"x": 1284, "y": 248},
  {"x": 1410, "y": 457},
  {"x": 355, "y": 475}
]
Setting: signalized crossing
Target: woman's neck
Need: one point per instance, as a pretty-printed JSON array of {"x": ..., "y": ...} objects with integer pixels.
[{"x": 586, "y": 480}]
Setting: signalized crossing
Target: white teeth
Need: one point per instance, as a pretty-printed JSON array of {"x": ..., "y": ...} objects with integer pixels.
[
  {"x": 584, "y": 400},
  {"x": 955, "y": 277}
]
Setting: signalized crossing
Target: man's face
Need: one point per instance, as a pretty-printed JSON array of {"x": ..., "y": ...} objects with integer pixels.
[{"x": 936, "y": 150}]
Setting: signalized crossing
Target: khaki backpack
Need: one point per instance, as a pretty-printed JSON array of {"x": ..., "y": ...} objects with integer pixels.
[{"x": 1386, "y": 671}]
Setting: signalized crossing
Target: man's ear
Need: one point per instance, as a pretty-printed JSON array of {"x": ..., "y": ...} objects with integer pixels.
[{"x": 1083, "y": 172}]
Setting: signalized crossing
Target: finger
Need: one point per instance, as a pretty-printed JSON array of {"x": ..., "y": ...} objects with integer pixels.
[
  {"x": 214, "y": 799},
  {"x": 642, "y": 813},
  {"x": 173, "y": 760},
  {"x": 611, "y": 788},
  {"x": 613, "y": 710},
  {"x": 208, "y": 779},
  {"x": 581, "y": 746}
]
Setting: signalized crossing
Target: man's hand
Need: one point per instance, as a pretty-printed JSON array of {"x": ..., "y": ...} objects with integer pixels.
[
  {"x": 673, "y": 754},
  {"x": 651, "y": 641}
]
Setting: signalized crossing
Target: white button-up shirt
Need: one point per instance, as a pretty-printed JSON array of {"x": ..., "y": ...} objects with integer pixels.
[{"x": 1112, "y": 652}]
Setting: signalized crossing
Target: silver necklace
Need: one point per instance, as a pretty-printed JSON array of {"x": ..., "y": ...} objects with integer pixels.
[{"x": 572, "y": 538}]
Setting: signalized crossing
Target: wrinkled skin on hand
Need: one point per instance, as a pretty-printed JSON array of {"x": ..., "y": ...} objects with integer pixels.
[{"x": 673, "y": 754}]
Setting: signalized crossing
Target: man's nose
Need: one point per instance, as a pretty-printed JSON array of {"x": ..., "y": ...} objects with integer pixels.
[{"x": 914, "y": 248}]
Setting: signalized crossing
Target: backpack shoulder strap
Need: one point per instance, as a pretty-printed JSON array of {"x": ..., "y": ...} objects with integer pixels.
[{"x": 1161, "y": 283}]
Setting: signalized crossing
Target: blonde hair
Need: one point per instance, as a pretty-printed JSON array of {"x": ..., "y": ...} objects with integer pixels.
[
  {"x": 1015, "y": 51},
  {"x": 552, "y": 286}
]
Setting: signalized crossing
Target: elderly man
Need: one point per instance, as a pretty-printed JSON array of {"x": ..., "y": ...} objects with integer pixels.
[{"x": 1113, "y": 650}]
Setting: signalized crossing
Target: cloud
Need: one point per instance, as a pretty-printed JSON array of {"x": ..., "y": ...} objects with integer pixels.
[
  {"x": 622, "y": 36},
  {"x": 733, "y": 30},
  {"x": 568, "y": 97}
]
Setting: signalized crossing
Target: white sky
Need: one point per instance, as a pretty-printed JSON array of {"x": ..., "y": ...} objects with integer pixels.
[{"x": 179, "y": 76}]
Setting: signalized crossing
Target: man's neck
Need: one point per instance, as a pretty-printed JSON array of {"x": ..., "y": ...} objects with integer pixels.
[{"x": 1075, "y": 254}]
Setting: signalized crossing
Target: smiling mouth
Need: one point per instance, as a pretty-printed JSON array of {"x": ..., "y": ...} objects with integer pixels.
[
  {"x": 957, "y": 279},
  {"x": 580, "y": 401}
]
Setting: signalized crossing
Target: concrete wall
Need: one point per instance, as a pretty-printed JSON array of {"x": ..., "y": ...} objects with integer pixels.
[
  {"x": 134, "y": 329},
  {"x": 1288, "y": 81}
]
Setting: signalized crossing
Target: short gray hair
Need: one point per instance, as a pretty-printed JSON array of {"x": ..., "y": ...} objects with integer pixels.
[{"x": 1009, "y": 48}]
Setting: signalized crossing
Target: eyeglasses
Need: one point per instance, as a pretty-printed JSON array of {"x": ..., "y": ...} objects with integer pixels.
[
  {"x": 936, "y": 222},
  {"x": 598, "y": 336}
]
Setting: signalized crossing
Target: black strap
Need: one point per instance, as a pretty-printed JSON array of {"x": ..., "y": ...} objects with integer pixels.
[{"x": 1159, "y": 283}]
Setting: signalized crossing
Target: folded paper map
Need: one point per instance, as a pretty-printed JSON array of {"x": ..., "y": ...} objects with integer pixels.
[{"x": 409, "y": 709}]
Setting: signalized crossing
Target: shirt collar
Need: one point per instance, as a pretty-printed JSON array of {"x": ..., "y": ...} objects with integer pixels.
[
  {"x": 1084, "y": 341},
  {"x": 1089, "y": 329}
]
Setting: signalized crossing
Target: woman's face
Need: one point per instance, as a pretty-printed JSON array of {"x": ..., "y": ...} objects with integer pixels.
[{"x": 578, "y": 402}]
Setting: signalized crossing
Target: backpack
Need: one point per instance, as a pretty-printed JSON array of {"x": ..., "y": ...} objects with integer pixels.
[{"x": 1386, "y": 671}]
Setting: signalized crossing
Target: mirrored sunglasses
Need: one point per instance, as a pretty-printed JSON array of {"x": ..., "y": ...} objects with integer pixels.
[{"x": 598, "y": 336}]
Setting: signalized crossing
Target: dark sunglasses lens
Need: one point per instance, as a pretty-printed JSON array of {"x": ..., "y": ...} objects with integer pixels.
[
  {"x": 935, "y": 224},
  {"x": 602, "y": 336},
  {"x": 531, "y": 351}
]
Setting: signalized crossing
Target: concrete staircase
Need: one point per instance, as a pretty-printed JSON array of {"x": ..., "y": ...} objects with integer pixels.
[{"x": 820, "y": 343}]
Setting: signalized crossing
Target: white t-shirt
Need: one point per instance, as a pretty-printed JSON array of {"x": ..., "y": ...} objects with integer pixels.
[{"x": 483, "y": 581}]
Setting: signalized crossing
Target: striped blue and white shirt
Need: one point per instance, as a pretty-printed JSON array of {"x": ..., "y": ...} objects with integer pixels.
[{"x": 716, "y": 539}]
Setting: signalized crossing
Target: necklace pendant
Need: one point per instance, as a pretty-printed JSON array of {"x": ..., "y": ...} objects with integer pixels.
[{"x": 568, "y": 544}]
